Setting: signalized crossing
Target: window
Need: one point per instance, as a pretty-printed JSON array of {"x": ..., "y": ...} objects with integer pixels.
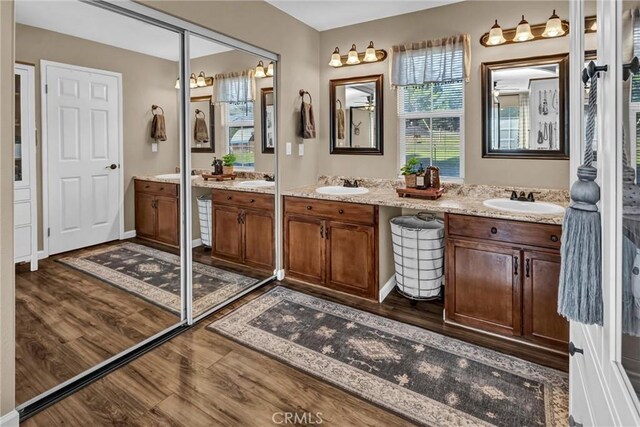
[
  {"x": 431, "y": 124},
  {"x": 509, "y": 123},
  {"x": 240, "y": 133}
]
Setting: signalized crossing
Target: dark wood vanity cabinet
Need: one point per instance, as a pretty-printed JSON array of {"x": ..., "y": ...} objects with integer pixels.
[
  {"x": 332, "y": 244},
  {"x": 157, "y": 214},
  {"x": 502, "y": 277},
  {"x": 243, "y": 228}
]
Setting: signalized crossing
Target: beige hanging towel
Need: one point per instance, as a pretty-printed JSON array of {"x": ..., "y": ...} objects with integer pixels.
[
  {"x": 307, "y": 120},
  {"x": 340, "y": 122},
  {"x": 200, "y": 131},
  {"x": 158, "y": 129}
]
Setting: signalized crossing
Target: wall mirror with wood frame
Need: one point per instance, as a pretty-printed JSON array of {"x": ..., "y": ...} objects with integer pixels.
[
  {"x": 203, "y": 124},
  {"x": 356, "y": 115},
  {"x": 525, "y": 108},
  {"x": 267, "y": 107}
]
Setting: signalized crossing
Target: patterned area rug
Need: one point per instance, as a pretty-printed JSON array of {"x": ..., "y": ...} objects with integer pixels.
[
  {"x": 155, "y": 276},
  {"x": 426, "y": 377}
]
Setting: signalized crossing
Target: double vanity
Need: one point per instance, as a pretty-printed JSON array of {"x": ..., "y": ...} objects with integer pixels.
[{"x": 502, "y": 258}]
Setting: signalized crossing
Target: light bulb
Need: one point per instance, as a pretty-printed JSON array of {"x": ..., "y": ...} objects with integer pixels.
[
  {"x": 553, "y": 27},
  {"x": 370, "y": 54},
  {"x": 352, "y": 57},
  {"x": 200, "y": 81},
  {"x": 192, "y": 81},
  {"x": 495, "y": 35},
  {"x": 260, "y": 70},
  {"x": 270, "y": 69},
  {"x": 177, "y": 86},
  {"x": 336, "y": 61}
]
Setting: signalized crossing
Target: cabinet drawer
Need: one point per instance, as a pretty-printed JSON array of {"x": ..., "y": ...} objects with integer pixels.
[
  {"x": 243, "y": 199},
  {"x": 160, "y": 188},
  {"x": 340, "y": 211},
  {"x": 523, "y": 233}
]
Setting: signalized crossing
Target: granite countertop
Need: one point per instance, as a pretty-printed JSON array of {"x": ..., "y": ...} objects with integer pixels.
[
  {"x": 199, "y": 182},
  {"x": 458, "y": 199}
]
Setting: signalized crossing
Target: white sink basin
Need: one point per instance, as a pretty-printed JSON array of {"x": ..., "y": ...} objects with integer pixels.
[
  {"x": 336, "y": 190},
  {"x": 173, "y": 176},
  {"x": 542, "y": 208},
  {"x": 256, "y": 184}
]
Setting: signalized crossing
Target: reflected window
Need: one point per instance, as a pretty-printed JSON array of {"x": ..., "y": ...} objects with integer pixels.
[{"x": 241, "y": 134}]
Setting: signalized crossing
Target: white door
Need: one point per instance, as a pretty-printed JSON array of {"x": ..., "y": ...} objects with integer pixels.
[
  {"x": 601, "y": 383},
  {"x": 82, "y": 108}
]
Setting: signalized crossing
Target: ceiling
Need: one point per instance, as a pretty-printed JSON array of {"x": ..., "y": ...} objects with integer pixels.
[
  {"x": 99, "y": 25},
  {"x": 329, "y": 14}
]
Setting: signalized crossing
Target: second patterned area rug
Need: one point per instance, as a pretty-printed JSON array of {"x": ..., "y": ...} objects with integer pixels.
[
  {"x": 155, "y": 275},
  {"x": 426, "y": 377}
]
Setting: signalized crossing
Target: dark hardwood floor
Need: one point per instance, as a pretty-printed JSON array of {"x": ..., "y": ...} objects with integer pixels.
[{"x": 202, "y": 378}]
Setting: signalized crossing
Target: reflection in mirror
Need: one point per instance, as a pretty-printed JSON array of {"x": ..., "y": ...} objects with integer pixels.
[
  {"x": 203, "y": 124},
  {"x": 356, "y": 112},
  {"x": 233, "y": 224},
  {"x": 630, "y": 296},
  {"x": 112, "y": 275},
  {"x": 525, "y": 108}
]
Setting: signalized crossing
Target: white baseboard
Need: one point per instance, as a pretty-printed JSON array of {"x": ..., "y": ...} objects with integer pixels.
[
  {"x": 128, "y": 235},
  {"x": 10, "y": 419},
  {"x": 387, "y": 288},
  {"x": 42, "y": 255},
  {"x": 196, "y": 242}
]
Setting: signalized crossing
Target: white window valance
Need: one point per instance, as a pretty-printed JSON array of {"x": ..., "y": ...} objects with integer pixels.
[
  {"x": 234, "y": 87},
  {"x": 433, "y": 61}
]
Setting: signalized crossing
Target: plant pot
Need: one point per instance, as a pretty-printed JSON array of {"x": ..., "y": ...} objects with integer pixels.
[
  {"x": 410, "y": 181},
  {"x": 227, "y": 170}
]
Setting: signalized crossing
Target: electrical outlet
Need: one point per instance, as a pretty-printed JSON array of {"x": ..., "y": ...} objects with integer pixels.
[
  {"x": 154, "y": 147},
  {"x": 288, "y": 148},
  {"x": 300, "y": 149}
]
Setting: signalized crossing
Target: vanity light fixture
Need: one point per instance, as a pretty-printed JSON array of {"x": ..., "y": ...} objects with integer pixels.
[
  {"x": 200, "y": 81},
  {"x": 177, "y": 86},
  {"x": 352, "y": 57},
  {"x": 371, "y": 54},
  {"x": 554, "y": 27},
  {"x": 260, "y": 70},
  {"x": 523, "y": 31},
  {"x": 192, "y": 81},
  {"x": 336, "y": 61},
  {"x": 270, "y": 69},
  {"x": 495, "y": 35}
]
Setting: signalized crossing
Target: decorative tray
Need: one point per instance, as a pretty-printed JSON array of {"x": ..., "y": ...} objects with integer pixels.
[{"x": 428, "y": 193}]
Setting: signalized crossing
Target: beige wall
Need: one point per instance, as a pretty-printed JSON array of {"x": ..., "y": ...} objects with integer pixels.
[
  {"x": 7, "y": 270},
  {"x": 227, "y": 62},
  {"x": 475, "y": 18},
  {"x": 146, "y": 80},
  {"x": 259, "y": 23}
]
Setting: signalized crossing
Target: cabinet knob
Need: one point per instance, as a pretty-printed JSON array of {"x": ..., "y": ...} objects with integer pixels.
[
  {"x": 252, "y": 201},
  {"x": 229, "y": 197},
  {"x": 161, "y": 188},
  {"x": 573, "y": 349},
  {"x": 554, "y": 238},
  {"x": 308, "y": 207},
  {"x": 341, "y": 211},
  {"x": 494, "y": 230},
  {"x": 146, "y": 186}
]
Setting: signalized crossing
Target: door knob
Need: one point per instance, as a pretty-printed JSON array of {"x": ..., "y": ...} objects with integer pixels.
[
  {"x": 112, "y": 166},
  {"x": 573, "y": 349}
]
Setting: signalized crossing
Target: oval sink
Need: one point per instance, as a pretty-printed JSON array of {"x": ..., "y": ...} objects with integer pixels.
[
  {"x": 336, "y": 190},
  {"x": 173, "y": 176},
  {"x": 542, "y": 208},
  {"x": 256, "y": 184}
]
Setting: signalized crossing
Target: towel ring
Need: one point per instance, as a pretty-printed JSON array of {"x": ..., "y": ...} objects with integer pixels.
[
  {"x": 156, "y": 107},
  {"x": 199, "y": 111},
  {"x": 339, "y": 103},
  {"x": 303, "y": 92}
]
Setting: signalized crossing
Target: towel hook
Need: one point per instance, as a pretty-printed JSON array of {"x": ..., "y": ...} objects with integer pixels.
[
  {"x": 303, "y": 92},
  {"x": 592, "y": 70},
  {"x": 199, "y": 111},
  {"x": 156, "y": 107},
  {"x": 339, "y": 103},
  {"x": 631, "y": 68}
]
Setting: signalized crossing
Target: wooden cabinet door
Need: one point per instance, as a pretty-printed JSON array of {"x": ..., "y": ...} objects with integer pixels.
[
  {"x": 227, "y": 233},
  {"x": 305, "y": 248},
  {"x": 168, "y": 226},
  {"x": 541, "y": 322},
  {"x": 483, "y": 286},
  {"x": 145, "y": 215},
  {"x": 351, "y": 254},
  {"x": 258, "y": 238}
]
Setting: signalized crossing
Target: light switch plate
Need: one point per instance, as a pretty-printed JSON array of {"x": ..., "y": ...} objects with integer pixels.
[
  {"x": 154, "y": 147},
  {"x": 300, "y": 149},
  {"x": 288, "y": 148}
]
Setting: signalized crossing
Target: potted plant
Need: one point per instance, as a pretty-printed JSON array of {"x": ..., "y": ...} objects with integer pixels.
[
  {"x": 227, "y": 163},
  {"x": 409, "y": 171}
]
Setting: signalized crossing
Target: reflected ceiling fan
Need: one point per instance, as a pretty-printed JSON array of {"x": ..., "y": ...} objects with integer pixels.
[{"x": 369, "y": 105}]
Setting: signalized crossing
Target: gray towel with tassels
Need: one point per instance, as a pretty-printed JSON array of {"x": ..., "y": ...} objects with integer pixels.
[
  {"x": 158, "y": 129},
  {"x": 340, "y": 122},
  {"x": 200, "y": 132},
  {"x": 307, "y": 121}
]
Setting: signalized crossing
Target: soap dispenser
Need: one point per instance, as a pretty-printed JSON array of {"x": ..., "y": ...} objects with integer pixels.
[{"x": 421, "y": 182}]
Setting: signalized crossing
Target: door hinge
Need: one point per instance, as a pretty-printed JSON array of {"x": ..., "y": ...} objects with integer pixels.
[
  {"x": 46, "y": 88},
  {"x": 573, "y": 422},
  {"x": 48, "y": 232}
]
